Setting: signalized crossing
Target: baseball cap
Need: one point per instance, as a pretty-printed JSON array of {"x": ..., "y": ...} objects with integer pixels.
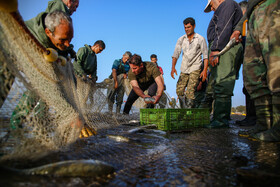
[{"x": 208, "y": 7}]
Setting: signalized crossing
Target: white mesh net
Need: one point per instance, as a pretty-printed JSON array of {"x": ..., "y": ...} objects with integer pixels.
[{"x": 45, "y": 101}]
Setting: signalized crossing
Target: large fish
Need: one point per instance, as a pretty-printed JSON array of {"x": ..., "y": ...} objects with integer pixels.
[
  {"x": 229, "y": 45},
  {"x": 70, "y": 168}
]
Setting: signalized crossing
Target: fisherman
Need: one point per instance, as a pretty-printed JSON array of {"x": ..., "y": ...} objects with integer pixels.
[
  {"x": 227, "y": 14},
  {"x": 85, "y": 66},
  {"x": 37, "y": 26},
  {"x": 120, "y": 69},
  {"x": 163, "y": 99},
  {"x": 192, "y": 46},
  {"x": 67, "y": 6},
  {"x": 52, "y": 30},
  {"x": 143, "y": 76},
  {"x": 261, "y": 66},
  {"x": 250, "y": 119}
]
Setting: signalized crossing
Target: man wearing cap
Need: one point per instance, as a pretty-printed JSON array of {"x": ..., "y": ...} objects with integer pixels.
[
  {"x": 261, "y": 66},
  {"x": 227, "y": 14},
  {"x": 120, "y": 69}
]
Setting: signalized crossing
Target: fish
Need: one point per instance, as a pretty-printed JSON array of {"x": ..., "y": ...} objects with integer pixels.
[
  {"x": 118, "y": 138},
  {"x": 229, "y": 45},
  {"x": 69, "y": 168},
  {"x": 139, "y": 129},
  {"x": 149, "y": 99}
]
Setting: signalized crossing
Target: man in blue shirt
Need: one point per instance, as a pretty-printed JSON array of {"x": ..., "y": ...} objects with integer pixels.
[{"x": 119, "y": 73}]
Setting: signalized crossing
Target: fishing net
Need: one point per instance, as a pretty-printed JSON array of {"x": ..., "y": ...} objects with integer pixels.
[{"x": 42, "y": 101}]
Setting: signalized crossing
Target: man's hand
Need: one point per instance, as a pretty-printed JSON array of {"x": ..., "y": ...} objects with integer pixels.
[
  {"x": 77, "y": 123},
  {"x": 157, "y": 98},
  {"x": 203, "y": 75},
  {"x": 84, "y": 78},
  {"x": 87, "y": 132},
  {"x": 173, "y": 70},
  {"x": 125, "y": 76},
  {"x": 236, "y": 35},
  {"x": 214, "y": 60},
  {"x": 199, "y": 87}
]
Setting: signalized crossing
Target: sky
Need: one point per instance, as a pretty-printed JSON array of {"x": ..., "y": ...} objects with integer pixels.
[{"x": 143, "y": 27}]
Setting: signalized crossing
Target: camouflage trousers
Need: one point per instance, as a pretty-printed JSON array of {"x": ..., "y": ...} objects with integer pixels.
[
  {"x": 261, "y": 67},
  {"x": 190, "y": 81}
]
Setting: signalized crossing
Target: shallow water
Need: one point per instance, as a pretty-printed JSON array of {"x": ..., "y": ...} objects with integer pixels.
[{"x": 202, "y": 157}]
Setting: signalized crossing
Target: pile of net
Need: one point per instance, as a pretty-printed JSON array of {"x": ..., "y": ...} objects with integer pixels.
[{"x": 41, "y": 101}]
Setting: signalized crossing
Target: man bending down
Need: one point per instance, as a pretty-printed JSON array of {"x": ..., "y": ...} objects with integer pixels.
[{"x": 143, "y": 76}]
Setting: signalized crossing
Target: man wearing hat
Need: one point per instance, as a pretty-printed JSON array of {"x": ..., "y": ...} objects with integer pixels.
[{"x": 227, "y": 14}]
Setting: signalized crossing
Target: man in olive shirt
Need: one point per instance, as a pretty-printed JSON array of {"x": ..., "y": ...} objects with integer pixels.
[
  {"x": 85, "y": 69},
  {"x": 67, "y": 6},
  {"x": 85, "y": 66},
  {"x": 143, "y": 76}
]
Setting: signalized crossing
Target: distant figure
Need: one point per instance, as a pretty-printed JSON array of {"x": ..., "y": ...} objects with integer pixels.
[
  {"x": 261, "y": 66},
  {"x": 143, "y": 76},
  {"x": 120, "y": 69},
  {"x": 192, "y": 46},
  {"x": 163, "y": 99},
  {"x": 227, "y": 14}
]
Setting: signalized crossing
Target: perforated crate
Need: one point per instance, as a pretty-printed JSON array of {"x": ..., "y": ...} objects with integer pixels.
[{"x": 175, "y": 119}]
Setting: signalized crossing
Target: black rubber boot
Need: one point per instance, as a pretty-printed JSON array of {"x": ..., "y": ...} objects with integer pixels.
[
  {"x": 263, "y": 113},
  {"x": 272, "y": 134},
  {"x": 190, "y": 103},
  {"x": 251, "y": 118},
  {"x": 207, "y": 102},
  {"x": 221, "y": 113},
  {"x": 118, "y": 109},
  {"x": 182, "y": 101}
]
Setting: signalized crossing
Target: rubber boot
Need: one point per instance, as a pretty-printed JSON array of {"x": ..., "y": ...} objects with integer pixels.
[
  {"x": 118, "y": 109},
  {"x": 190, "y": 103},
  {"x": 221, "y": 113},
  {"x": 250, "y": 119},
  {"x": 272, "y": 134},
  {"x": 263, "y": 113},
  {"x": 207, "y": 102},
  {"x": 182, "y": 101}
]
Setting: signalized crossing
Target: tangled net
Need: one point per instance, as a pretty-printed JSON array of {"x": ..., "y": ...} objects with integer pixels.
[{"x": 58, "y": 98}]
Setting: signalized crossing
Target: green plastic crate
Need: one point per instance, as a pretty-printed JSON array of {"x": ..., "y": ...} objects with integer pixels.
[{"x": 175, "y": 119}]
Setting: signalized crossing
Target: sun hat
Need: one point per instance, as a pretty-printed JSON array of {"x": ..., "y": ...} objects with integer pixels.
[{"x": 208, "y": 7}]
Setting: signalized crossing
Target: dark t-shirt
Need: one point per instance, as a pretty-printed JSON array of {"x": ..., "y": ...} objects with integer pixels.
[{"x": 147, "y": 77}]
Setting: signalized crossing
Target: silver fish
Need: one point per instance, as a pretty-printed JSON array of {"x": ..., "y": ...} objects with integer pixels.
[
  {"x": 229, "y": 45},
  {"x": 118, "y": 138},
  {"x": 152, "y": 126},
  {"x": 149, "y": 99},
  {"x": 70, "y": 168}
]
